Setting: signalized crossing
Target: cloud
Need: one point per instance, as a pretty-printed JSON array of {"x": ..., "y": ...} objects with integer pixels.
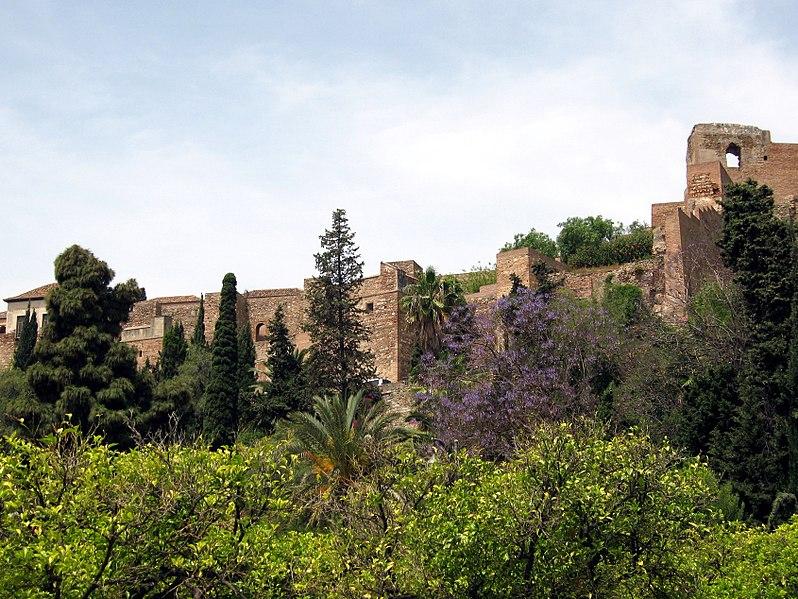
[{"x": 238, "y": 164}]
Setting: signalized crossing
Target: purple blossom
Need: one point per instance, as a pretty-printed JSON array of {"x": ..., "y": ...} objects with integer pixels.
[{"x": 532, "y": 358}]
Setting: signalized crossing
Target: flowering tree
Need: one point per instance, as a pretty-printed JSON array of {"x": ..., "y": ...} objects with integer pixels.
[{"x": 533, "y": 358}]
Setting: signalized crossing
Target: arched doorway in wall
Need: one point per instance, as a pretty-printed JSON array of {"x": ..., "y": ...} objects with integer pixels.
[{"x": 261, "y": 331}]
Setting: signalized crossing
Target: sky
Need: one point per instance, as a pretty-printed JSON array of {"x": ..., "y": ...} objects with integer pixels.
[{"x": 183, "y": 140}]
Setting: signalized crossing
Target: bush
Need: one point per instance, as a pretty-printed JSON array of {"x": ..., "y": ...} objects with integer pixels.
[
  {"x": 623, "y": 301},
  {"x": 628, "y": 247},
  {"x": 756, "y": 563},
  {"x": 536, "y": 240}
]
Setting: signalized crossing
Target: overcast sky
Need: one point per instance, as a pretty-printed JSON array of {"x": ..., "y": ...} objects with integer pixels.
[{"x": 179, "y": 141}]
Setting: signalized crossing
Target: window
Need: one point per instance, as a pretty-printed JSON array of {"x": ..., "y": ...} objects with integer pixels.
[
  {"x": 370, "y": 307},
  {"x": 733, "y": 156},
  {"x": 20, "y": 326},
  {"x": 45, "y": 318},
  {"x": 261, "y": 332},
  {"x": 2, "y": 329}
]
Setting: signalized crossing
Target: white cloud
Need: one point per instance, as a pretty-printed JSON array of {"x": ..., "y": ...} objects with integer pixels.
[{"x": 440, "y": 167}]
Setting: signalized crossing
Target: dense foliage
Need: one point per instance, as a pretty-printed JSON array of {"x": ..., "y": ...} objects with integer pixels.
[
  {"x": 79, "y": 366},
  {"x": 23, "y": 354},
  {"x": 174, "y": 351},
  {"x": 572, "y": 514},
  {"x": 427, "y": 304},
  {"x": 537, "y": 240},
  {"x": 286, "y": 390},
  {"x": 198, "y": 338},
  {"x": 338, "y": 361},
  {"x": 220, "y": 413},
  {"x": 590, "y": 241},
  {"x": 532, "y": 359}
]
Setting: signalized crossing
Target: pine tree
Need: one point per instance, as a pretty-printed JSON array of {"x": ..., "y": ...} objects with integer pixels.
[
  {"x": 199, "y": 330},
  {"x": 79, "y": 366},
  {"x": 23, "y": 354},
  {"x": 338, "y": 361},
  {"x": 174, "y": 351},
  {"x": 220, "y": 414}
]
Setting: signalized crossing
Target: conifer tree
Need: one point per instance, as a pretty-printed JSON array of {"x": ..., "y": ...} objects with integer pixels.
[
  {"x": 338, "y": 361},
  {"x": 285, "y": 391},
  {"x": 220, "y": 414},
  {"x": 198, "y": 338},
  {"x": 174, "y": 352},
  {"x": 23, "y": 354},
  {"x": 79, "y": 365},
  {"x": 246, "y": 360}
]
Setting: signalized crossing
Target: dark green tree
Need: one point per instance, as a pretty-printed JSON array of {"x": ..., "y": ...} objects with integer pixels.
[
  {"x": 545, "y": 277},
  {"x": 198, "y": 338},
  {"x": 173, "y": 354},
  {"x": 757, "y": 246},
  {"x": 285, "y": 391},
  {"x": 220, "y": 413},
  {"x": 26, "y": 343},
  {"x": 792, "y": 375},
  {"x": 578, "y": 232},
  {"x": 334, "y": 322},
  {"x": 537, "y": 240},
  {"x": 79, "y": 365},
  {"x": 246, "y": 369}
]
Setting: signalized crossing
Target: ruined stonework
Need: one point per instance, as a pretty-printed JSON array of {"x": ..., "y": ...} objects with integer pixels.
[{"x": 685, "y": 257}]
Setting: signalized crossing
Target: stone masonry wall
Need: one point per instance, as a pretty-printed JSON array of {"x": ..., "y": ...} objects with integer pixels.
[{"x": 7, "y": 346}]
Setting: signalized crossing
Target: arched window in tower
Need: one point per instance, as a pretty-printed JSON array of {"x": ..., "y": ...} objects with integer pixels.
[
  {"x": 733, "y": 156},
  {"x": 261, "y": 331}
]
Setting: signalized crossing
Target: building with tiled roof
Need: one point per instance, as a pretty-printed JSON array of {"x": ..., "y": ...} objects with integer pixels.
[{"x": 39, "y": 293}]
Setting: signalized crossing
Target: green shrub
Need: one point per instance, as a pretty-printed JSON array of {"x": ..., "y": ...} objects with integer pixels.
[
  {"x": 623, "y": 301},
  {"x": 537, "y": 240},
  {"x": 756, "y": 563},
  {"x": 628, "y": 247}
]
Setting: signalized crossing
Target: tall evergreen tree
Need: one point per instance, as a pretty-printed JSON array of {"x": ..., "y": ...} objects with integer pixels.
[
  {"x": 334, "y": 322},
  {"x": 757, "y": 246},
  {"x": 23, "y": 354},
  {"x": 246, "y": 364},
  {"x": 174, "y": 352},
  {"x": 79, "y": 365},
  {"x": 792, "y": 408},
  {"x": 198, "y": 338},
  {"x": 220, "y": 414},
  {"x": 285, "y": 392}
]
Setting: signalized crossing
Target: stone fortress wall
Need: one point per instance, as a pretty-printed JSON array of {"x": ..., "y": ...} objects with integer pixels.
[{"x": 685, "y": 256}]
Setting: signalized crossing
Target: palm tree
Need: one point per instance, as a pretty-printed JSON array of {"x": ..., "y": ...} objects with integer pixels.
[
  {"x": 339, "y": 442},
  {"x": 428, "y": 303}
]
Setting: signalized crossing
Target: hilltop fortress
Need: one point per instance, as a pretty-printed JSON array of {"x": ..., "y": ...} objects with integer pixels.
[{"x": 684, "y": 258}]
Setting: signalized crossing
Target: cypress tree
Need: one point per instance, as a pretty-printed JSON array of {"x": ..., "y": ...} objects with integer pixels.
[
  {"x": 79, "y": 365},
  {"x": 174, "y": 351},
  {"x": 220, "y": 414},
  {"x": 338, "y": 361},
  {"x": 23, "y": 354},
  {"x": 246, "y": 360},
  {"x": 199, "y": 329}
]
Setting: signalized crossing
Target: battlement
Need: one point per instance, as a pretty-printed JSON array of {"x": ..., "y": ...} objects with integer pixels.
[{"x": 685, "y": 256}]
